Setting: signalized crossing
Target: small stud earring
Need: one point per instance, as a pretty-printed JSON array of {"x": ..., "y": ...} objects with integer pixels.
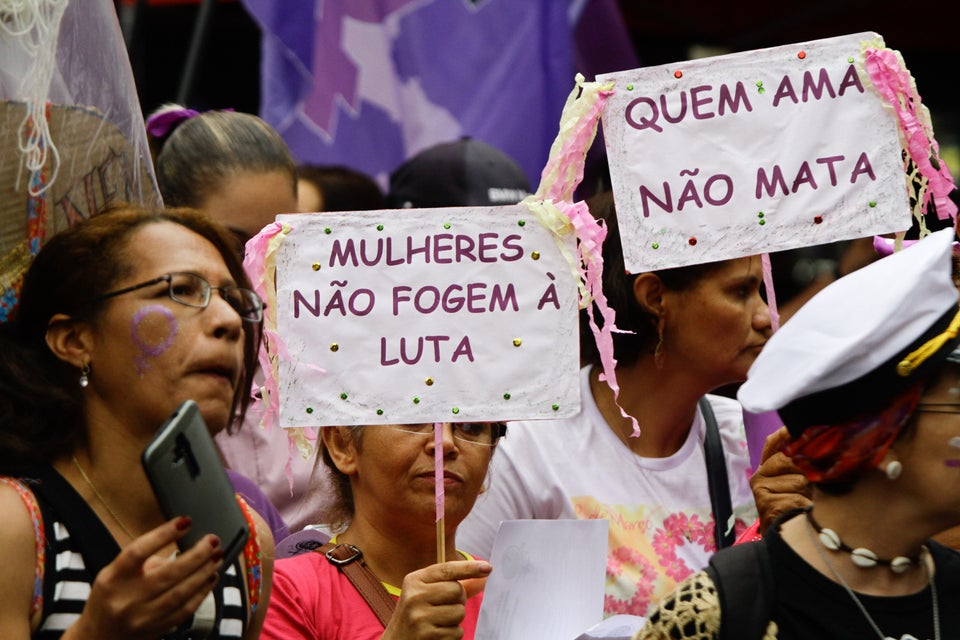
[
  {"x": 894, "y": 469},
  {"x": 84, "y": 375}
]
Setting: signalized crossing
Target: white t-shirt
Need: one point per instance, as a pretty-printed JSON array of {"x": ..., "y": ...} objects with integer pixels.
[{"x": 661, "y": 521}]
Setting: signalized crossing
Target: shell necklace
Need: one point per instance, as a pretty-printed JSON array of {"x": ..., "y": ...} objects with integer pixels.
[
  {"x": 836, "y": 574},
  {"x": 861, "y": 556}
]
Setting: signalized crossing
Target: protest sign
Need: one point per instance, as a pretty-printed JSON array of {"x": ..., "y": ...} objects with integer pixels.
[
  {"x": 425, "y": 315},
  {"x": 753, "y": 152},
  {"x": 94, "y": 165}
]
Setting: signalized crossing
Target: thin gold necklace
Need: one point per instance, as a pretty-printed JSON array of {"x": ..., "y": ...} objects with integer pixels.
[{"x": 106, "y": 506}]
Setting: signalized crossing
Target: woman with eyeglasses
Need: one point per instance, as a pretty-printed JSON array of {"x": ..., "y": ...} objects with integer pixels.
[
  {"x": 385, "y": 519},
  {"x": 122, "y": 318},
  {"x": 866, "y": 377}
]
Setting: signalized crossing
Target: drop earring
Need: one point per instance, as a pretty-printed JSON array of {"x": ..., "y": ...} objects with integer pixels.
[
  {"x": 84, "y": 375},
  {"x": 893, "y": 470},
  {"x": 658, "y": 350}
]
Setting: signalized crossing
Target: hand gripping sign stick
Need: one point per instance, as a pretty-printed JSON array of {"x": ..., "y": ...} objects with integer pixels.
[{"x": 438, "y": 474}]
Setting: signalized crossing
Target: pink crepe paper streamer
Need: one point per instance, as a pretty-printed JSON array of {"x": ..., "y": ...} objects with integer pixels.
[
  {"x": 578, "y": 127},
  {"x": 260, "y": 263},
  {"x": 591, "y": 234},
  {"x": 558, "y": 180},
  {"x": 759, "y": 426},
  {"x": 438, "y": 468},
  {"x": 885, "y": 246},
  {"x": 895, "y": 85},
  {"x": 771, "y": 294}
]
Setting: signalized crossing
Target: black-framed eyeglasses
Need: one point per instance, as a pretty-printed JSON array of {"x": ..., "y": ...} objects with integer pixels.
[
  {"x": 939, "y": 407},
  {"x": 191, "y": 290},
  {"x": 485, "y": 434}
]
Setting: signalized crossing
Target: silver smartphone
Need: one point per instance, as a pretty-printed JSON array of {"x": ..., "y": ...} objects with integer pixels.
[{"x": 188, "y": 478}]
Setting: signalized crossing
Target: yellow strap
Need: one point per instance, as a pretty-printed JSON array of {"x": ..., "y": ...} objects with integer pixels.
[{"x": 909, "y": 364}]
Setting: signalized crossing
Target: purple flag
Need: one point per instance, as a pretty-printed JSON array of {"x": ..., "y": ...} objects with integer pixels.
[{"x": 368, "y": 83}]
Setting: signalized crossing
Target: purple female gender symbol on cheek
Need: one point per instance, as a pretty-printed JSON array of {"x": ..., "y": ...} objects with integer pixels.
[{"x": 151, "y": 346}]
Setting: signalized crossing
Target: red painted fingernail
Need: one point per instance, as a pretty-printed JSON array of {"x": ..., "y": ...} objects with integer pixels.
[
  {"x": 214, "y": 541},
  {"x": 183, "y": 523}
]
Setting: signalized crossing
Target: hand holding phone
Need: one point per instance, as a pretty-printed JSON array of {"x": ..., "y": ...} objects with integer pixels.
[{"x": 184, "y": 468}]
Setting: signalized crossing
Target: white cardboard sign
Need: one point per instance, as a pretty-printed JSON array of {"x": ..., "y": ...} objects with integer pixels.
[
  {"x": 752, "y": 152},
  {"x": 425, "y": 315}
]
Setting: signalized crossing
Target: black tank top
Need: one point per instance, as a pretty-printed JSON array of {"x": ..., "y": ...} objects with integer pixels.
[{"x": 79, "y": 545}]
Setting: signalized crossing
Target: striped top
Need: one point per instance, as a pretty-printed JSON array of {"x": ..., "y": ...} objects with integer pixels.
[{"x": 73, "y": 559}]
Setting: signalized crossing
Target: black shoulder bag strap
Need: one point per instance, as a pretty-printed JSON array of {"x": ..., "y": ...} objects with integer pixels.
[
  {"x": 349, "y": 560},
  {"x": 717, "y": 478},
  {"x": 745, "y": 587}
]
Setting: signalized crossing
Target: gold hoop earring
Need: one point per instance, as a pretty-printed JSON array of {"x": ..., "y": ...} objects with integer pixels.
[{"x": 658, "y": 350}]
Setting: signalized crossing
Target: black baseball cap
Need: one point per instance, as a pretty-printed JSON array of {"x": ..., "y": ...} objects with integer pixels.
[{"x": 463, "y": 173}]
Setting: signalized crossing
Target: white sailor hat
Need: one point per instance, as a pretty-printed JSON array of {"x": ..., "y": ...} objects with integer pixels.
[{"x": 861, "y": 341}]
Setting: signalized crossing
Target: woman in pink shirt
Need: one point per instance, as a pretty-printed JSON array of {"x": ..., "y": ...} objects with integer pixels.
[{"x": 385, "y": 510}]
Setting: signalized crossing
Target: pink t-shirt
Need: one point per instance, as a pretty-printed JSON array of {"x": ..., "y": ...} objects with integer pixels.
[{"x": 312, "y": 600}]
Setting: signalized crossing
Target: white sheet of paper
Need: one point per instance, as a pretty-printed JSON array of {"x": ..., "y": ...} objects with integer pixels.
[{"x": 547, "y": 582}]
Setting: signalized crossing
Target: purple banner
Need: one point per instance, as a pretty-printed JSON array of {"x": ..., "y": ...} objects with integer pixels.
[{"x": 368, "y": 83}]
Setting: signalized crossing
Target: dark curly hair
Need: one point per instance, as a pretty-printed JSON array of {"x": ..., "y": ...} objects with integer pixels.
[{"x": 41, "y": 409}]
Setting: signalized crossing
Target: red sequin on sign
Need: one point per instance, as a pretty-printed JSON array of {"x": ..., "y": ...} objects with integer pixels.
[
  {"x": 802, "y": 55},
  {"x": 678, "y": 74},
  {"x": 692, "y": 241},
  {"x": 817, "y": 219}
]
